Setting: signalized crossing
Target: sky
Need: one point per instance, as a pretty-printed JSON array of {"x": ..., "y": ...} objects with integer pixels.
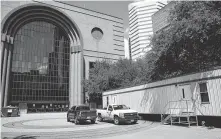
[{"x": 115, "y": 8}]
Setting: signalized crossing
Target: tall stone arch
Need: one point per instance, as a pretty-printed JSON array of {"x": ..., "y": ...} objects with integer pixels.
[{"x": 24, "y": 14}]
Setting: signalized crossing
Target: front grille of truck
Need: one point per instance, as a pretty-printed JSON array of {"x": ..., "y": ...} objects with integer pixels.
[{"x": 130, "y": 115}]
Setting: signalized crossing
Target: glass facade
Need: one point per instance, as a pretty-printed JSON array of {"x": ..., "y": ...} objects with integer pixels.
[{"x": 40, "y": 66}]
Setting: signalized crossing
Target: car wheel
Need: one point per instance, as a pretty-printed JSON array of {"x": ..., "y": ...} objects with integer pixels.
[
  {"x": 116, "y": 120},
  {"x": 93, "y": 121},
  {"x": 76, "y": 121},
  {"x": 100, "y": 119},
  {"x": 135, "y": 121},
  {"x": 68, "y": 119}
]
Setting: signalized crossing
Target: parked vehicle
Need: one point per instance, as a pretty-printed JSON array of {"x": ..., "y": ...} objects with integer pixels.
[
  {"x": 118, "y": 114},
  {"x": 10, "y": 111},
  {"x": 81, "y": 113}
]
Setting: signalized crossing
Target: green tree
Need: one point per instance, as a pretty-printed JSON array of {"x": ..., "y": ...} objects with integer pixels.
[
  {"x": 98, "y": 80},
  {"x": 192, "y": 41},
  {"x": 120, "y": 74}
]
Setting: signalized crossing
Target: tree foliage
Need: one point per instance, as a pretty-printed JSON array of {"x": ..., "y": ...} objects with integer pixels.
[
  {"x": 192, "y": 41},
  {"x": 107, "y": 76}
]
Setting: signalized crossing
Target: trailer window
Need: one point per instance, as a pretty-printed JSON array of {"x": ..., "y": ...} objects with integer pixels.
[{"x": 204, "y": 93}]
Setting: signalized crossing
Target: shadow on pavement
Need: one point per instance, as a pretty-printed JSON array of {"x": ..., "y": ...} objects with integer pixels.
[
  {"x": 123, "y": 123},
  {"x": 86, "y": 123},
  {"x": 22, "y": 137}
]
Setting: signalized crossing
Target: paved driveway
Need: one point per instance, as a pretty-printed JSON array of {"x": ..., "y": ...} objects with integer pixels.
[{"x": 54, "y": 126}]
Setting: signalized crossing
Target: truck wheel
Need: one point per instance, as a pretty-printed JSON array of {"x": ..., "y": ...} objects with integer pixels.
[
  {"x": 135, "y": 121},
  {"x": 76, "y": 121},
  {"x": 100, "y": 119},
  {"x": 68, "y": 120},
  {"x": 116, "y": 120},
  {"x": 93, "y": 121}
]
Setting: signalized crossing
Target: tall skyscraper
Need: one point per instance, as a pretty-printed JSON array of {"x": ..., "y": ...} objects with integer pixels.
[
  {"x": 140, "y": 22},
  {"x": 160, "y": 18}
]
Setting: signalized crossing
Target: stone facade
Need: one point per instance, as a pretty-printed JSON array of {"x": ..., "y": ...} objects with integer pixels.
[{"x": 78, "y": 23}]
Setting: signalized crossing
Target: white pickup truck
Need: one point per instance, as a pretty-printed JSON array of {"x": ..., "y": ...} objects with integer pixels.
[{"x": 118, "y": 113}]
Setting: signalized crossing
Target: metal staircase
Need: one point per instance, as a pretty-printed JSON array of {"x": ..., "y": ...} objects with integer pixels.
[{"x": 179, "y": 112}]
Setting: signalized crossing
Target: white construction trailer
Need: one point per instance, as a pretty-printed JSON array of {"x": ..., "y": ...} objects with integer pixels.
[{"x": 195, "y": 95}]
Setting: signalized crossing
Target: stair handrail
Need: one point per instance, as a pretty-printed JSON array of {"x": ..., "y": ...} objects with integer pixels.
[
  {"x": 198, "y": 108},
  {"x": 165, "y": 110},
  {"x": 195, "y": 108},
  {"x": 173, "y": 101},
  {"x": 168, "y": 103}
]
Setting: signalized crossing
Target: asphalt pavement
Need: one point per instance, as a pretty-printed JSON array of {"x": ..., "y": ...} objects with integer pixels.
[{"x": 55, "y": 126}]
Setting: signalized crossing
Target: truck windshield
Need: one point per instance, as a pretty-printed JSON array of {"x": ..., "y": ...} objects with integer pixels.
[
  {"x": 84, "y": 108},
  {"x": 120, "y": 107}
]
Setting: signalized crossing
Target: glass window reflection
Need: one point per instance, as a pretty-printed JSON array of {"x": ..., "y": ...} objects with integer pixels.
[{"x": 40, "y": 64}]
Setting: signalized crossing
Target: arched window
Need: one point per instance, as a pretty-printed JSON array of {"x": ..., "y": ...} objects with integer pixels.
[{"x": 40, "y": 64}]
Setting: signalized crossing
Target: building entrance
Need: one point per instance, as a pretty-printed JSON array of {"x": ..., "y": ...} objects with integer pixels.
[{"x": 40, "y": 67}]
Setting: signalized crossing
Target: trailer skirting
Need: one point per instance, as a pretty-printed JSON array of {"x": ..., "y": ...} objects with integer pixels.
[{"x": 209, "y": 120}]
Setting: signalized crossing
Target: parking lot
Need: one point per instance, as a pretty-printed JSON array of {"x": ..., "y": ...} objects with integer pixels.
[{"x": 54, "y": 125}]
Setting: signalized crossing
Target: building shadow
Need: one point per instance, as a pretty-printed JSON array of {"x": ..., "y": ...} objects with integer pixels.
[{"x": 23, "y": 137}]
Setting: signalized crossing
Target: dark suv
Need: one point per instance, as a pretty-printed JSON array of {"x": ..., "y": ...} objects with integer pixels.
[{"x": 80, "y": 113}]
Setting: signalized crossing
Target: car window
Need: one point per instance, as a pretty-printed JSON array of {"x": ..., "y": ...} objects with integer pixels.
[
  {"x": 120, "y": 107},
  {"x": 83, "y": 108},
  {"x": 73, "y": 108}
]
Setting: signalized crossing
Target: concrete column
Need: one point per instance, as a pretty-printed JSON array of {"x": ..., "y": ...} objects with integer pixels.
[
  {"x": 1, "y": 58},
  {"x": 3, "y": 41},
  {"x": 75, "y": 79},
  {"x": 4, "y": 65},
  {"x": 1, "y": 70},
  {"x": 76, "y": 76},
  {"x": 70, "y": 80},
  {"x": 80, "y": 73},
  {"x": 8, "y": 71},
  {"x": 1, "y": 52},
  {"x": 71, "y": 77},
  {"x": 79, "y": 79}
]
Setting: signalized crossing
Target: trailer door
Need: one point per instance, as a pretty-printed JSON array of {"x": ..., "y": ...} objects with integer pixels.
[
  {"x": 114, "y": 99},
  {"x": 186, "y": 104}
]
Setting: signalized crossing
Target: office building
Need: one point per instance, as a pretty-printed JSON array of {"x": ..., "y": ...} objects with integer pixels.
[
  {"x": 47, "y": 49},
  {"x": 141, "y": 28},
  {"x": 160, "y": 18}
]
